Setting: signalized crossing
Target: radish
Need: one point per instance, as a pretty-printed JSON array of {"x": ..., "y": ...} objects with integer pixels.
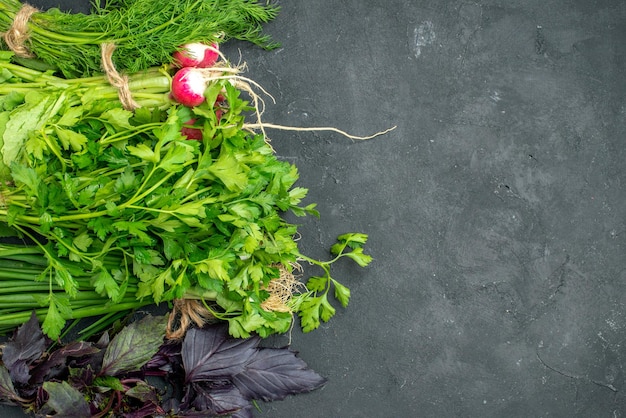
[
  {"x": 219, "y": 105},
  {"x": 194, "y": 133},
  {"x": 188, "y": 86},
  {"x": 197, "y": 55},
  {"x": 190, "y": 132}
]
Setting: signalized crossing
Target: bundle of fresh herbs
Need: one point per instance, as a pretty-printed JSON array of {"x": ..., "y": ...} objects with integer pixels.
[
  {"x": 147, "y": 185},
  {"x": 135, "y": 374},
  {"x": 145, "y": 32},
  {"x": 147, "y": 213}
]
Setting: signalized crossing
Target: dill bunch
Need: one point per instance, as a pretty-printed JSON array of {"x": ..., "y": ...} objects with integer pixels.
[{"x": 145, "y": 32}]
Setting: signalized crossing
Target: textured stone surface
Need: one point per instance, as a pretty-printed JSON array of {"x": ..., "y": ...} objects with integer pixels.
[{"x": 496, "y": 210}]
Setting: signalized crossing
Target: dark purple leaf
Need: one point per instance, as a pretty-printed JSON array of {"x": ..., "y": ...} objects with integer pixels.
[
  {"x": 66, "y": 401},
  {"x": 198, "y": 414},
  {"x": 104, "y": 340},
  {"x": 167, "y": 359},
  {"x": 56, "y": 363},
  {"x": 134, "y": 346},
  {"x": 7, "y": 390},
  {"x": 209, "y": 401},
  {"x": 218, "y": 400},
  {"x": 94, "y": 361},
  {"x": 171, "y": 405},
  {"x": 41, "y": 397},
  {"x": 27, "y": 346},
  {"x": 210, "y": 353},
  {"x": 82, "y": 376},
  {"x": 149, "y": 399},
  {"x": 149, "y": 410},
  {"x": 143, "y": 392},
  {"x": 274, "y": 373},
  {"x": 247, "y": 412}
]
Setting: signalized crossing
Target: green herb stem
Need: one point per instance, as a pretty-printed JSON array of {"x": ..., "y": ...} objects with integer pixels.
[{"x": 11, "y": 320}]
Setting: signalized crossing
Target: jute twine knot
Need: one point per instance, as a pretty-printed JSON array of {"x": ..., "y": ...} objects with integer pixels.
[
  {"x": 186, "y": 312},
  {"x": 120, "y": 82},
  {"x": 18, "y": 33}
]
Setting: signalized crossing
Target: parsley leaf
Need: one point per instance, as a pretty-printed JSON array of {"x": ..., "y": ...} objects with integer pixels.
[{"x": 58, "y": 310}]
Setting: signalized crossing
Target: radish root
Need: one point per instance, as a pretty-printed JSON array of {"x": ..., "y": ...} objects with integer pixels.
[
  {"x": 331, "y": 129},
  {"x": 282, "y": 288},
  {"x": 226, "y": 72}
]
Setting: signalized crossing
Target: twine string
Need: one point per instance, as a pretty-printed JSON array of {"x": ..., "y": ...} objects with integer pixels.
[
  {"x": 186, "y": 312},
  {"x": 18, "y": 34},
  {"x": 117, "y": 80}
]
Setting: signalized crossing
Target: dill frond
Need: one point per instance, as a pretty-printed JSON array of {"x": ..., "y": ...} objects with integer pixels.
[{"x": 145, "y": 32}]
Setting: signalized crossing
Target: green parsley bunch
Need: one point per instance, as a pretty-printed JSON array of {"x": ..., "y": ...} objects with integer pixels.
[{"x": 122, "y": 205}]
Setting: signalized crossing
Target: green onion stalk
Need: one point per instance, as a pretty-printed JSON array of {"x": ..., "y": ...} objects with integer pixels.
[
  {"x": 25, "y": 288},
  {"x": 150, "y": 88}
]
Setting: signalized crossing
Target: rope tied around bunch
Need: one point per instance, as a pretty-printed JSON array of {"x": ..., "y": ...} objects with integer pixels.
[
  {"x": 18, "y": 33},
  {"x": 186, "y": 312},
  {"x": 117, "y": 80}
]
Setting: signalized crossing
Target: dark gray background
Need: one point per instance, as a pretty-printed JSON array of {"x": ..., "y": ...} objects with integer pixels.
[{"x": 496, "y": 210}]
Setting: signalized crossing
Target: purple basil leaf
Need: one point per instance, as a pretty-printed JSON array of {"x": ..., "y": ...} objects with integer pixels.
[
  {"x": 56, "y": 363},
  {"x": 149, "y": 410},
  {"x": 199, "y": 414},
  {"x": 143, "y": 392},
  {"x": 94, "y": 361},
  {"x": 149, "y": 398},
  {"x": 209, "y": 401},
  {"x": 146, "y": 411},
  {"x": 104, "y": 340},
  {"x": 167, "y": 359},
  {"x": 76, "y": 349},
  {"x": 218, "y": 400},
  {"x": 274, "y": 373},
  {"x": 247, "y": 412},
  {"x": 171, "y": 405},
  {"x": 210, "y": 353},
  {"x": 27, "y": 346},
  {"x": 7, "y": 390},
  {"x": 82, "y": 376},
  {"x": 66, "y": 401},
  {"x": 134, "y": 346}
]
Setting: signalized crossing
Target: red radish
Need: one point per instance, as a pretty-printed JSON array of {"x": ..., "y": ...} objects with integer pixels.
[
  {"x": 191, "y": 133},
  {"x": 188, "y": 86},
  {"x": 220, "y": 102},
  {"x": 197, "y": 55}
]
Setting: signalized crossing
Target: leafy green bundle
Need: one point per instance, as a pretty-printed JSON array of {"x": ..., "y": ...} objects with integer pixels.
[
  {"x": 206, "y": 374},
  {"x": 146, "y": 32},
  {"x": 150, "y": 214}
]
